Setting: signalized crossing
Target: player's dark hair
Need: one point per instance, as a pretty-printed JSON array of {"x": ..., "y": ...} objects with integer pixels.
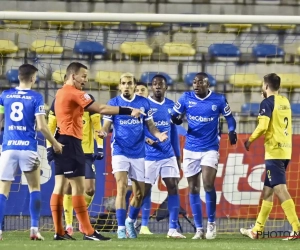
[
  {"x": 273, "y": 81},
  {"x": 160, "y": 76},
  {"x": 74, "y": 67},
  {"x": 202, "y": 74},
  {"x": 65, "y": 78},
  {"x": 141, "y": 84},
  {"x": 26, "y": 71}
]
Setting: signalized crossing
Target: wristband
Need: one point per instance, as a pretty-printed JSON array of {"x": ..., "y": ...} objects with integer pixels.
[{"x": 124, "y": 111}]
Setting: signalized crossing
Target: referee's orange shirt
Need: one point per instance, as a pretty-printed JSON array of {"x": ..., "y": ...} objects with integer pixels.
[{"x": 69, "y": 107}]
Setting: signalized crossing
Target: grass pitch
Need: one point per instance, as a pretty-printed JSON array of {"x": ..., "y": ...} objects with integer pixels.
[{"x": 20, "y": 241}]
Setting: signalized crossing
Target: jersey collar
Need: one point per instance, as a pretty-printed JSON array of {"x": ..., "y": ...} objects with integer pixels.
[
  {"x": 204, "y": 97},
  {"x": 18, "y": 88},
  {"x": 160, "y": 103},
  {"x": 126, "y": 100}
]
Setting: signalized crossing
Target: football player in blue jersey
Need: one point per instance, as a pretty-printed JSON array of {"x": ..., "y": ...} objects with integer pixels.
[
  {"x": 128, "y": 152},
  {"x": 23, "y": 113},
  {"x": 163, "y": 158},
  {"x": 202, "y": 108}
]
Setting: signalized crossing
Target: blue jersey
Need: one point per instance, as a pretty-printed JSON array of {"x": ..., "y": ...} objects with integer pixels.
[
  {"x": 203, "y": 119},
  {"x": 128, "y": 137},
  {"x": 20, "y": 109},
  {"x": 161, "y": 115}
]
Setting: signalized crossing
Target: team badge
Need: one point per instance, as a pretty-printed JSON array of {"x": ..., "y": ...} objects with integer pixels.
[{"x": 214, "y": 107}]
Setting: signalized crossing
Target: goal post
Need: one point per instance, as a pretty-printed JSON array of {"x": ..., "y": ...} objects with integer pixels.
[{"x": 235, "y": 50}]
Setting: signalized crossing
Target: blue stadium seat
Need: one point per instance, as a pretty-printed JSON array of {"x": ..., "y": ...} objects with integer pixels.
[
  {"x": 189, "y": 78},
  {"x": 146, "y": 77},
  {"x": 267, "y": 50},
  {"x": 251, "y": 109},
  {"x": 295, "y": 109},
  {"x": 89, "y": 48},
  {"x": 12, "y": 76},
  {"x": 224, "y": 50}
]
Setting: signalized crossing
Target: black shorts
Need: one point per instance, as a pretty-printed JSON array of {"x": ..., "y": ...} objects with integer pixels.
[
  {"x": 275, "y": 172},
  {"x": 71, "y": 163},
  {"x": 90, "y": 171}
]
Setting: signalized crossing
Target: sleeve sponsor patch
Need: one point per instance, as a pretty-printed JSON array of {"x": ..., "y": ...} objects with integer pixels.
[
  {"x": 177, "y": 105},
  {"x": 42, "y": 109}
]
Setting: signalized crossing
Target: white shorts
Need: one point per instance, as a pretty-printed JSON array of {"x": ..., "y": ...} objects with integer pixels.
[
  {"x": 129, "y": 182},
  {"x": 166, "y": 168},
  {"x": 10, "y": 160},
  {"x": 192, "y": 161},
  {"x": 134, "y": 167}
]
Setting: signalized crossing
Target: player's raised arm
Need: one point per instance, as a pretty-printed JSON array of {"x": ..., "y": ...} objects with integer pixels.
[
  {"x": 178, "y": 110},
  {"x": 226, "y": 111}
]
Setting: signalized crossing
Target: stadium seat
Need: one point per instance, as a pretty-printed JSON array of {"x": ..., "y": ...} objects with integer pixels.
[
  {"x": 89, "y": 48},
  {"x": 12, "y": 76},
  {"x": 60, "y": 23},
  {"x": 108, "y": 77},
  {"x": 136, "y": 49},
  {"x": 147, "y": 77},
  {"x": 267, "y": 50},
  {"x": 289, "y": 80},
  {"x": 295, "y": 109},
  {"x": 178, "y": 49},
  {"x": 281, "y": 26},
  {"x": 237, "y": 26},
  {"x": 58, "y": 76},
  {"x": 223, "y": 50},
  {"x": 251, "y": 109},
  {"x": 189, "y": 78},
  {"x": 149, "y": 24},
  {"x": 7, "y": 47},
  {"x": 46, "y": 47},
  {"x": 245, "y": 80}
]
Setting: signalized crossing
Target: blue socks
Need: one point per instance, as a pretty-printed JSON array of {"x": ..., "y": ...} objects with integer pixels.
[
  {"x": 211, "y": 199},
  {"x": 121, "y": 217},
  {"x": 35, "y": 208},
  {"x": 133, "y": 213},
  {"x": 196, "y": 207},
  {"x": 146, "y": 209},
  {"x": 3, "y": 200},
  {"x": 173, "y": 206},
  {"x": 127, "y": 197}
]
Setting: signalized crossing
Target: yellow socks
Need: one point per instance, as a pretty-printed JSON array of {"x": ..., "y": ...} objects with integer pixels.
[
  {"x": 289, "y": 209},
  {"x": 265, "y": 210},
  {"x": 88, "y": 199},
  {"x": 68, "y": 209}
]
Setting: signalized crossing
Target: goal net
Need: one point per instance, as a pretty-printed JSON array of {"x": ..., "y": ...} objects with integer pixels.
[{"x": 235, "y": 55}]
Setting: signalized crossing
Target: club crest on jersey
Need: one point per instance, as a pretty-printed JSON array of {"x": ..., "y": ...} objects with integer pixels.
[{"x": 214, "y": 107}]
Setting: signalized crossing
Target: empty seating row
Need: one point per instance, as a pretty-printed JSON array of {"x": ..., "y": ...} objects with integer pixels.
[
  {"x": 252, "y": 109},
  {"x": 132, "y": 49}
]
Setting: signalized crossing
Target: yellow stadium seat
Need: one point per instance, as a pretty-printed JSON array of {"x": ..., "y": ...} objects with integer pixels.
[
  {"x": 60, "y": 23},
  {"x": 8, "y": 47},
  {"x": 178, "y": 49},
  {"x": 108, "y": 77},
  {"x": 289, "y": 80},
  {"x": 245, "y": 80},
  {"x": 237, "y": 26},
  {"x": 58, "y": 76},
  {"x": 136, "y": 49},
  {"x": 150, "y": 24},
  {"x": 104, "y": 23},
  {"x": 281, "y": 26},
  {"x": 46, "y": 47}
]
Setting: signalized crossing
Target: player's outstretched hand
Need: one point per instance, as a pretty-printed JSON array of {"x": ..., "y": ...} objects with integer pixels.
[
  {"x": 247, "y": 145},
  {"x": 137, "y": 113},
  {"x": 232, "y": 137},
  {"x": 150, "y": 141},
  {"x": 58, "y": 147},
  {"x": 101, "y": 134},
  {"x": 163, "y": 136}
]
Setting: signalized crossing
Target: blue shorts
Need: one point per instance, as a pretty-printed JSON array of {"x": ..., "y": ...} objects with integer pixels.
[
  {"x": 275, "y": 172},
  {"x": 90, "y": 171}
]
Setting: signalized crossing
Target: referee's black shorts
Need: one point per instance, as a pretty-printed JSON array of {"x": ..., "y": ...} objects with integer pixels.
[{"x": 71, "y": 163}]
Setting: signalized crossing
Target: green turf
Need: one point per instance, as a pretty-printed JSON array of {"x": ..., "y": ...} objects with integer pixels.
[{"x": 20, "y": 241}]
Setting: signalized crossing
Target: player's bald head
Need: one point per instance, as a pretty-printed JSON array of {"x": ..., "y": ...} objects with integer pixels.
[{"x": 26, "y": 72}]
